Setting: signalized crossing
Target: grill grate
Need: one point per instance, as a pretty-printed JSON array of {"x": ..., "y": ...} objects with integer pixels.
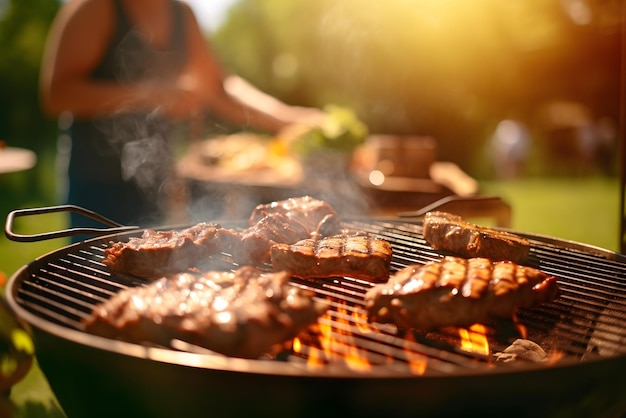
[{"x": 587, "y": 321}]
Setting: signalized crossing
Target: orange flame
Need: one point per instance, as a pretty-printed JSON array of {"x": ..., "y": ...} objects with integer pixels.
[
  {"x": 353, "y": 356},
  {"x": 314, "y": 356},
  {"x": 474, "y": 339},
  {"x": 417, "y": 362},
  {"x": 521, "y": 328},
  {"x": 333, "y": 342},
  {"x": 296, "y": 345},
  {"x": 360, "y": 319},
  {"x": 315, "y": 359}
]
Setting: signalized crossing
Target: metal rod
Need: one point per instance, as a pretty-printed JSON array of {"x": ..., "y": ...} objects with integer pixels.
[
  {"x": 622, "y": 133},
  {"x": 42, "y": 236}
]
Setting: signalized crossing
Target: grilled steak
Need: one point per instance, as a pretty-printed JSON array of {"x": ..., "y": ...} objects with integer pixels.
[
  {"x": 317, "y": 216},
  {"x": 256, "y": 241},
  {"x": 457, "y": 292},
  {"x": 353, "y": 254},
  {"x": 448, "y": 232},
  {"x": 159, "y": 253},
  {"x": 241, "y": 314}
]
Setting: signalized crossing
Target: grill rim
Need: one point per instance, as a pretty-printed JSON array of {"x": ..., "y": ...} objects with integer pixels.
[{"x": 275, "y": 368}]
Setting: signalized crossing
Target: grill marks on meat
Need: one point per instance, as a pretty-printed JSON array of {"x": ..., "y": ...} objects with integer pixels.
[
  {"x": 457, "y": 292},
  {"x": 241, "y": 313},
  {"x": 448, "y": 232},
  {"x": 158, "y": 253},
  {"x": 353, "y": 254}
]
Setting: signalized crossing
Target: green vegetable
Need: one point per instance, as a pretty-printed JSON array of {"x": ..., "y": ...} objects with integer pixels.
[{"x": 341, "y": 131}]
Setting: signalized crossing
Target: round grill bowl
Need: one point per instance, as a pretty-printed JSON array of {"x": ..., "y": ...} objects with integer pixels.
[{"x": 98, "y": 377}]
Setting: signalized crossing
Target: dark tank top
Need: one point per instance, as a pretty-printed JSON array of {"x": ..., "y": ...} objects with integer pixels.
[{"x": 127, "y": 154}]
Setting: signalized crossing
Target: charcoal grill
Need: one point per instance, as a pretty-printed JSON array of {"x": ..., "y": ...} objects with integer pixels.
[{"x": 398, "y": 373}]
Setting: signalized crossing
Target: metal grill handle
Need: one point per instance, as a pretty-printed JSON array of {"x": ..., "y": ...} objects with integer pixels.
[
  {"x": 468, "y": 206},
  {"x": 115, "y": 227}
]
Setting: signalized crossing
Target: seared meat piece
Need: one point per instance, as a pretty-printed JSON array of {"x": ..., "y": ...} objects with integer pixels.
[
  {"x": 357, "y": 255},
  {"x": 448, "y": 232},
  {"x": 241, "y": 314},
  {"x": 257, "y": 240},
  {"x": 457, "y": 292},
  {"x": 317, "y": 216},
  {"x": 158, "y": 253}
]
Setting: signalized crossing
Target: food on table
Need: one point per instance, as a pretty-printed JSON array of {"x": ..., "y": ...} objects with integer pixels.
[
  {"x": 447, "y": 232},
  {"x": 354, "y": 254},
  {"x": 158, "y": 253},
  {"x": 241, "y": 313},
  {"x": 457, "y": 292},
  {"x": 240, "y": 151}
]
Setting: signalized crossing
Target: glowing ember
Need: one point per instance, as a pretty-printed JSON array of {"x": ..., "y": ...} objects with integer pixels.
[{"x": 474, "y": 339}]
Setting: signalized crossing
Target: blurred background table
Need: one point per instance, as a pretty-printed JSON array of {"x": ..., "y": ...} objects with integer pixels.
[
  {"x": 14, "y": 159},
  {"x": 230, "y": 190}
]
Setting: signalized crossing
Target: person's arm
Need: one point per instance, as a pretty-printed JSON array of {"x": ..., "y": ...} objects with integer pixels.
[
  {"x": 232, "y": 98},
  {"x": 248, "y": 94},
  {"x": 76, "y": 43}
]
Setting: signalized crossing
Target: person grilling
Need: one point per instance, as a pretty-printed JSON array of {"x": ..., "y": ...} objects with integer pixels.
[{"x": 122, "y": 75}]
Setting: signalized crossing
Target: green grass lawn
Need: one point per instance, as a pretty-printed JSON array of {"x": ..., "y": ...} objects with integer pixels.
[
  {"x": 586, "y": 210},
  {"x": 32, "y": 397},
  {"x": 13, "y": 254}
]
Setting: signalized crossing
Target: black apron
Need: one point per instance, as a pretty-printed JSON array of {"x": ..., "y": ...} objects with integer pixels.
[{"x": 119, "y": 164}]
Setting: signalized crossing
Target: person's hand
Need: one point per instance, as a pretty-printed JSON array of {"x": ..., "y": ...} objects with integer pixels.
[
  {"x": 177, "y": 99},
  {"x": 182, "y": 104}
]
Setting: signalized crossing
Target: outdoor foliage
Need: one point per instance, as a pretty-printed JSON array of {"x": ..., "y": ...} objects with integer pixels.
[
  {"x": 451, "y": 70},
  {"x": 24, "y": 25},
  {"x": 407, "y": 67},
  {"x": 23, "y": 28}
]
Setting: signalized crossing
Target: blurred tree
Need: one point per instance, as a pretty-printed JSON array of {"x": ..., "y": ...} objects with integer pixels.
[
  {"x": 451, "y": 70},
  {"x": 23, "y": 28}
]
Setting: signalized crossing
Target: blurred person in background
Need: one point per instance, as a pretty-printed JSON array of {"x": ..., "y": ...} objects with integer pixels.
[
  {"x": 510, "y": 144},
  {"x": 122, "y": 74}
]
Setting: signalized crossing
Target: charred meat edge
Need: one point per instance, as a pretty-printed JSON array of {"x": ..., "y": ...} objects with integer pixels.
[
  {"x": 457, "y": 292},
  {"x": 241, "y": 314},
  {"x": 354, "y": 254},
  {"x": 447, "y": 232},
  {"x": 158, "y": 253}
]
